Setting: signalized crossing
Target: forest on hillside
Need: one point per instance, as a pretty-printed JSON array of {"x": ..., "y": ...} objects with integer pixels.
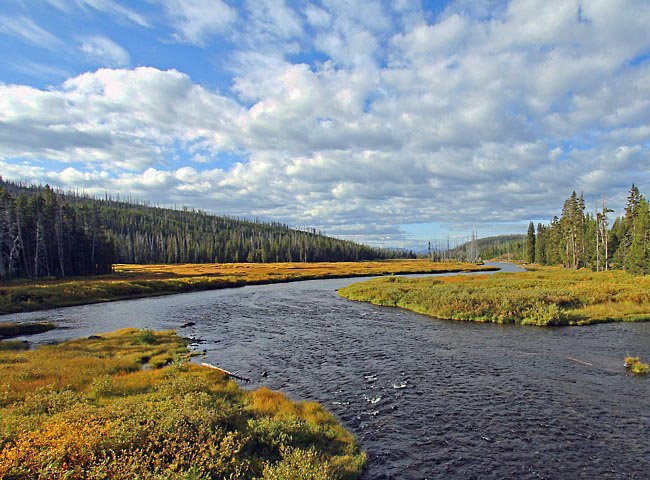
[
  {"x": 577, "y": 239},
  {"x": 510, "y": 247},
  {"x": 50, "y": 233}
]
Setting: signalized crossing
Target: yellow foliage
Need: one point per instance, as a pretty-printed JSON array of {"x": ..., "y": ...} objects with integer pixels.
[
  {"x": 131, "y": 281},
  {"x": 87, "y": 409}
]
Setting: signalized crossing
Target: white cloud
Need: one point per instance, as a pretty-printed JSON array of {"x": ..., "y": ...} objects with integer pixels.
[
  {"x": 274, "y": 18},
  {"x": 105, "y": 51},
  {"x": 197, "y": 20},
  {"x": 317, "y": 17},
  {"x": 111, "y": 7},
  {"x": 476, "y": 117},
  {"x": 40, "y": 70},
  {"x": 351, "y": 36},
  {"x": 25, "y": 28},
  {"x": 114, "y": 8},
  {"x": 127, "y": 118}
]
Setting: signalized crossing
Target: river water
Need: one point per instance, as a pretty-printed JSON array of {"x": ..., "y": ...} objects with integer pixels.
[{"x": 426, "y": 398}]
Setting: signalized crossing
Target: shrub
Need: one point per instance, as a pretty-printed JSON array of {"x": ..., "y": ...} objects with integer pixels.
[
  {"x": 86, "y": 409},
  {"x": 637, "y": 366},
  {"x": 147, "y": 337}
]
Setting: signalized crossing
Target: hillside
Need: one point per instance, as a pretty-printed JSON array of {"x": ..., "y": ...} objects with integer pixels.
[
  {"x": 510, "y": 246},
  {"x": 51, "y": 233}
]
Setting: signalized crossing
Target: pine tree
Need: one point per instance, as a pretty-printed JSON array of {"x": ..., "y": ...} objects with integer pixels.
[
  {"x": 571, "y": 222},
  {"x": 540, "y": 244},
  {"x": 637, "y": 260},
  {"x": 530, "y": 243}
]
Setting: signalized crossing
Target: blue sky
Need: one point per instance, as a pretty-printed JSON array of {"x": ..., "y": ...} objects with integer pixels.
[{"x": 388, "y": 122}]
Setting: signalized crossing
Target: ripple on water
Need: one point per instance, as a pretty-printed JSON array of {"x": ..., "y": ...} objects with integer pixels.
[{"x": 479, "y": 401}]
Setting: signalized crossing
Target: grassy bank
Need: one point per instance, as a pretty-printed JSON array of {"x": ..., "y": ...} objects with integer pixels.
[
  {"x": 8, "y": 330},
  {"x": 132, "y": 281},
  {"x": 88, "y": 409},
  {"x": 637, "y": 366},
  {"x": 544, "y": 296}
]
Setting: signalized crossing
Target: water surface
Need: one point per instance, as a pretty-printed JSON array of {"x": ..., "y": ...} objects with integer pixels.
[{"x": 427, "y": 398}]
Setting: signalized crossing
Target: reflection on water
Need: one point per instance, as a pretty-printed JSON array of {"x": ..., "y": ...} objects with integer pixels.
[{"x": 426, "y": 398}]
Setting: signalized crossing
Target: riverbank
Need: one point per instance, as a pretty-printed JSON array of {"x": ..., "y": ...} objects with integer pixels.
[
  {"x": 137, "y": 281},
  {"x": 127, "y": 405},
  {"x": 9, "y": 329},
  {"x": 544, "y": 296}
]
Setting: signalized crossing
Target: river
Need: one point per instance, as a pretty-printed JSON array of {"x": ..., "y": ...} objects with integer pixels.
[{"x": 426, "y": 398}]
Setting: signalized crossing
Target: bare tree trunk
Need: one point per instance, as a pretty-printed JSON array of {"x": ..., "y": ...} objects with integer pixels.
[
  {"x": 58, "y": 227},
  {"x": 19, "y": 228},
  {"x": 37, "y": 249},
  {"x": 598, "y": 220}
]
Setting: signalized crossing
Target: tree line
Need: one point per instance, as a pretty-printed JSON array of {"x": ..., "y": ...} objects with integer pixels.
[
  {"x": 510, "y": 247},
  {"x": 42, "y": 235},
  {"x": 577, "y": 239},
  {"x": 44, "y": 232}
]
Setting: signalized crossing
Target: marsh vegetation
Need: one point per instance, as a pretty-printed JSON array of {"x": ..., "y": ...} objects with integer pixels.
[
  {"x": 132, "y": 281},
  {"x": 88, "y": 409},
  {"x": 637, "y": 366},
  {"x": 543, "y": 296},
  {"x": 11, "y": 329}
]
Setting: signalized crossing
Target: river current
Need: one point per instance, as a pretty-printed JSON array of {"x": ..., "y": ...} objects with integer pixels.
[{"x": 426, "y": 398}]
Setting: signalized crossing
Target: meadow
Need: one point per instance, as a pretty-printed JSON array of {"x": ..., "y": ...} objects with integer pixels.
[
  {"x": 128, "y": 405},
  {"x": 134, "y": 281},
  {"x": 543, "y": 296}
]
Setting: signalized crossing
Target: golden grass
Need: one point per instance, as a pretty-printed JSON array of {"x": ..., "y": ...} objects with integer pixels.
[
  {"x": 88, "y": 409},
  {"x": 542, "y": 296},
  {"x": 132, "y": 281},
  {"x": 295, "y": 270},
  {"x": 637, "y": 366}
]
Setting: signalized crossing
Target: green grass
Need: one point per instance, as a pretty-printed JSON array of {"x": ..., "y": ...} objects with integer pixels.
[
  {"x": 88, "y": 409},
  {"x": 8, "y": 330},
  {"x": 135, "y": 281},
  {"x": 13, "y": 345},
  {"x": 544, "y": 296},
  {"x": 637, "y": 366}
]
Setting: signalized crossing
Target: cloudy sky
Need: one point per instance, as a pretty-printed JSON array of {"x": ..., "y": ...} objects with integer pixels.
[{"x": 388, "y": 122}]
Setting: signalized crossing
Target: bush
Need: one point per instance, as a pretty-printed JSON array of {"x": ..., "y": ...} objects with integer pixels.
[
  {"x": 637, "y": 366},
  {"x": 147, "y": 337},
  {"x": 86, "y": 409}
]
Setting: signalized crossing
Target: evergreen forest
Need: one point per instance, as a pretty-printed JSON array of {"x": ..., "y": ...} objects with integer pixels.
[
  {"x": 44, "y": 232},
  {"x": 577, "y": 239}
]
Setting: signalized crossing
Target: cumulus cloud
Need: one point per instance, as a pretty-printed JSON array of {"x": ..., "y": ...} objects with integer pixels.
[
  {"x": 127, "y": 118},
  {"x": 105, "y": 51},
  {"x": 471, "y": 117}
]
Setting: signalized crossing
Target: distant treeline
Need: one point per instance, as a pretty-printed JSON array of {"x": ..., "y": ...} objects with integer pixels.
[
  {"x": 48, "y": 233},
  {"x": 510, "y": 247},
  {"x": 578, "y": 239}
]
